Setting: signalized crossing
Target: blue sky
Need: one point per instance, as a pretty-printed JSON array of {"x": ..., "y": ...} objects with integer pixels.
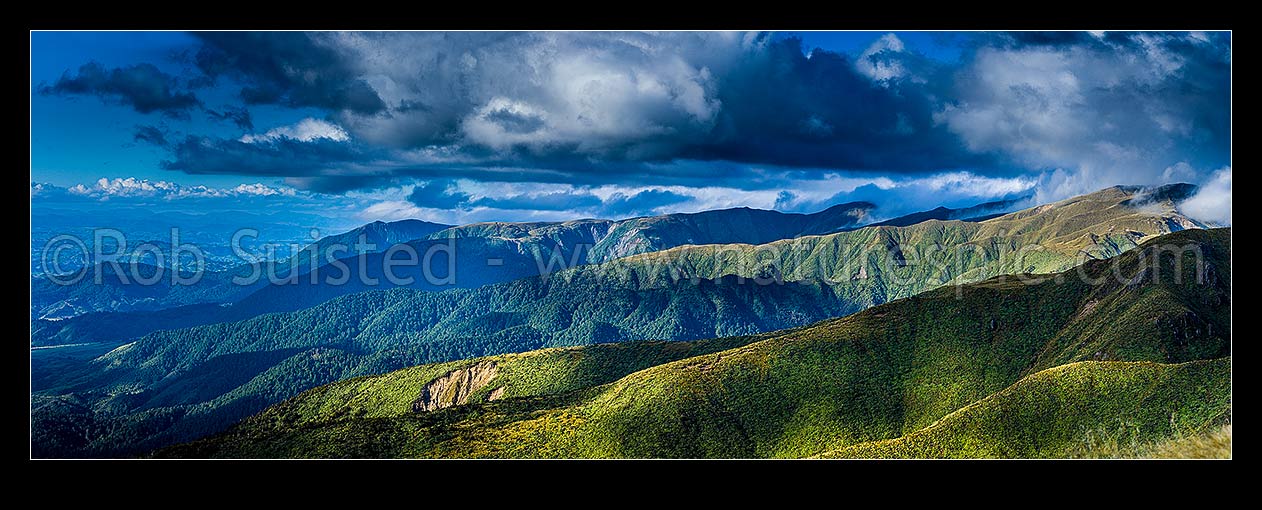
[
  {"x": 942, "y": 46},
  {"x": 81, "y": 139},
  {"x": 462, "y": 127}
]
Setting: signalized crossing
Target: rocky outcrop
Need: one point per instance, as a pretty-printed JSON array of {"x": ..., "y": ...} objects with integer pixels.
[{"x": 455, "y": 388}]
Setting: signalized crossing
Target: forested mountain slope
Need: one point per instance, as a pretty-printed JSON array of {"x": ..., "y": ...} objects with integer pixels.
[{"x": 946, "y": 371}]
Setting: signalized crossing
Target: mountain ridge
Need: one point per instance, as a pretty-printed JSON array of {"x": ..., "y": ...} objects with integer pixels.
[
  {"x": 585, "y": 241},
  {"x": 979, "y": 212},
  {"x": 885, "y": 373}
]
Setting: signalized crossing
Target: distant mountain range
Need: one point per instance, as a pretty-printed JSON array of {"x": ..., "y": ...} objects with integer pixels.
[
  {"x": 608, "y": 239},
  {"x": 179, "y": 384},
  {"x": 518, "y": 247},
  {"x": 379, "y": 234},
  {"x": 1074, "y": 364},
  {"x": 117, "y": 292},
  {"x": 979, "y": 212}
]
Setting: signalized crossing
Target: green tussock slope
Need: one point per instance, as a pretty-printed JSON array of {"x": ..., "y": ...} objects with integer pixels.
[
  {"x": 1214, "y": 443},
  {"x": 1069, "y": 410}
]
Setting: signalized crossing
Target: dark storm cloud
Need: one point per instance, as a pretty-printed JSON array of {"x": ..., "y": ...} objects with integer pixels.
[
  {"x": 444, "y": 194},
  {"x": 150, "y": 134},
  {"x": 783, "y": 108},
  {"x": 635, "y": 97},
  {"x": 515, "y": 122},
  {"x": 143, "y": 87},
  {"x": 287, "y": 68},
  {"x": 284, "y": 157},
  {"x": 644, "y": 202},
  {"x": 438, "y": 194},
  {"x": 555, "y": 201},
  {"x": 596, "y": 107},
  {"x": 239, "y": 116},
  {"x": 332, "y": 166}
]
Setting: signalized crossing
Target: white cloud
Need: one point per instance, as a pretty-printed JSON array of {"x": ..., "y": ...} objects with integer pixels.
[
  {"x": 503, "y": 123},
  {"x": 893, "y": 197},
  {"x": 400, "y": 209},
  {"x": 511, "y": 201},
  {"x": 128, "y": 187},
  {"x": 305, "y": 130},
  {"x": 1023, "y": 102},
  {"x": 1089, "y": 117},
  {"x": 131, "y": 187},
  {"x": 1212, "y": 202},
  {"x": 972, "y": 185},
  {"x": 263, "y": 190},
  {"x": 1178, "y": 172},
  {"x": 601, "y": 91},
  {"x": 392, "y": 210},
  {"x": 875, "y": 63}
]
